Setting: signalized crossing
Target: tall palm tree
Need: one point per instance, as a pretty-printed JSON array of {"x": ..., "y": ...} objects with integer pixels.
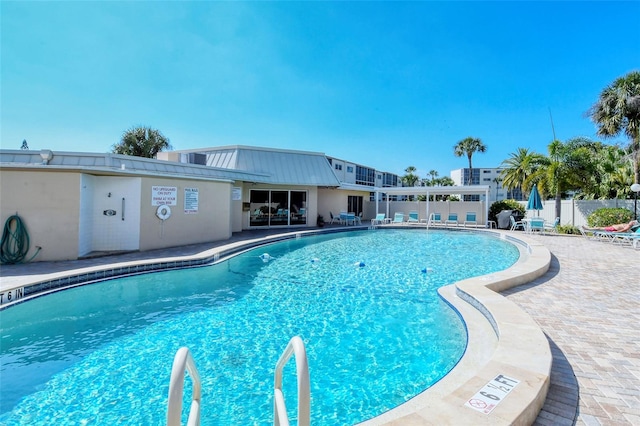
[
  {"x": 618, "y": 111},
  {"x": 469, "y": 146},
  {"x": 142, "y": 142},
  {"x": 518, "y": 169}
]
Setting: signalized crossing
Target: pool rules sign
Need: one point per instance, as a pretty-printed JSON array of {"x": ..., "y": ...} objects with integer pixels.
[
  {"x": 491, "y": 394},
  {"x": 191, "y": 200}
]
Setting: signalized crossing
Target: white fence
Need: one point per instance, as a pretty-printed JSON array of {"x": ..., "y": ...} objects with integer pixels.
[{"x": 575, "y": 212}]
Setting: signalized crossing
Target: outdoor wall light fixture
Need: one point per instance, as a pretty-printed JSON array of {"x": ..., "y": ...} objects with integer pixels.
[{"x": 635, "y": 188}]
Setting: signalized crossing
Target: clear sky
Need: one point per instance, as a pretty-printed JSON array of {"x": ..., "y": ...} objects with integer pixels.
[{"x": 382, "y": 84}]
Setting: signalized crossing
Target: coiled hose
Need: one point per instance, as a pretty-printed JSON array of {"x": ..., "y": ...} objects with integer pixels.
[{"x": 15, "y": 241}]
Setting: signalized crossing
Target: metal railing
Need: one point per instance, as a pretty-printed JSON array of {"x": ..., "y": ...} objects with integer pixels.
[
  {"x": 280, "y": 417},
  {"x": 181, "y": 362}
]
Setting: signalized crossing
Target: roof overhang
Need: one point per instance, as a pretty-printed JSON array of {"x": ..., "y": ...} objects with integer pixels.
[{"x": 434, "y": 190}]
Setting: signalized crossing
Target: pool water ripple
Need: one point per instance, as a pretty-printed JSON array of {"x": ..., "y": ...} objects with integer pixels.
[{"x": 375, "y": 330}]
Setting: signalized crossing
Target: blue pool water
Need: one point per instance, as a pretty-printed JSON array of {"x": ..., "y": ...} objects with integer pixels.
[{"x": 365, "y": 304}]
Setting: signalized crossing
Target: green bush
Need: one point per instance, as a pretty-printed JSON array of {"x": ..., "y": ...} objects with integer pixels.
[
  {"x": 498, "y": 206},
  {"x": 568, "y": 229},
  {"x": 609, "y": 216}
]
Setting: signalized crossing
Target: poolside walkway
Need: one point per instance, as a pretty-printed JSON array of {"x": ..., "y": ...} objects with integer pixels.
[{"x": 588, "y": 305}]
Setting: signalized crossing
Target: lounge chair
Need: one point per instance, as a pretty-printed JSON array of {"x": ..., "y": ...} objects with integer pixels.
[
  {"x": 378, "y": 220},
  {"x": 452, "y": 219},
  {"x": 435, "y": 219},
  {"x": 585, "y": 234},
  {"x": 470, "y": 219},
  {"x": 626, "y": 237},
  {"x": 516, "y": 225},
  {"x": 414, "y": 217},
  {"x": 398, "y": 218}
]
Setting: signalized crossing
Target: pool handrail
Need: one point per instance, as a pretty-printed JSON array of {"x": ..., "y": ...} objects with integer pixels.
[
  {"x": 181, "y": 362},
  {"x": 280, "y": 417}
]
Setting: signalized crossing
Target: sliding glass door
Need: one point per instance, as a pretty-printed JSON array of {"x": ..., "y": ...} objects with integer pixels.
[{"x": 277, "y": 208}]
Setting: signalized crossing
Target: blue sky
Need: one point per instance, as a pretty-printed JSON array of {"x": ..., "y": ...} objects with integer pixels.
[{"x": 383, "y": 84}]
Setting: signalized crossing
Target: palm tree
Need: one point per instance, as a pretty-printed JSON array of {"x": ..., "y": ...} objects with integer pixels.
[
  {"x": 469, "y": 146},
  {"x": 567, "y": 167},
  {"x": 434, "y": 175},
  {"x": 518, "y": 169},
  {"x": 618, "y": 110},
  {"x": 142, "y": 142},
  {"x": 410, "y": 178},
  {"x": 613, "y": 174}
]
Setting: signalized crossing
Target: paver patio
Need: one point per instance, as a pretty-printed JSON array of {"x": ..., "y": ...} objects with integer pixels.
[{"x": 588, "y": 305}]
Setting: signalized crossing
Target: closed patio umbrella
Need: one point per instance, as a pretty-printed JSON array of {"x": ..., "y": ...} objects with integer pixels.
[{"x": 535, "y": 202}]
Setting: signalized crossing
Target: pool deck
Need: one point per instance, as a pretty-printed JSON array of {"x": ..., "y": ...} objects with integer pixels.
[{"x": 587, "y": 304}]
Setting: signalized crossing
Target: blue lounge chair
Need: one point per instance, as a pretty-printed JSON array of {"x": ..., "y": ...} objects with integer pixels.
[
  {"x": 470, "y": 219},
  {"x": 452, "y": 219},
  {"x": 626, "y": 237},
  {"x": 398, "y": 218},
  {"x": 378, "y": 220},
  {"x": 414, "y": 217},
  {"x": 435, "y": 219}
]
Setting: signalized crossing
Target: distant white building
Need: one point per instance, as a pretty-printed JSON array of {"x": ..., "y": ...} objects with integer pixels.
[{"x": 490, "y": 177}]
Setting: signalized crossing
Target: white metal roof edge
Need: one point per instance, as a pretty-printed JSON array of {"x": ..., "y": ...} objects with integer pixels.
[
  {"x": 114, "y": 163},
  {"x": 115, "y": 172},
  {"x": 244, "y": 147}
]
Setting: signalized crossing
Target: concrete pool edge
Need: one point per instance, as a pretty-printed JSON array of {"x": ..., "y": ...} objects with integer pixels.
[
  {"x": 444, "y": 402},
  {"x": 522, "y": 352}
]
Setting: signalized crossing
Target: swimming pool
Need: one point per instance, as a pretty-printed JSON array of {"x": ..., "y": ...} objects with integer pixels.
[{"x": 365, "y": 327}]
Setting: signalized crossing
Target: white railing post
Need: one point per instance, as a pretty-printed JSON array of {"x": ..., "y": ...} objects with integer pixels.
[
  {"x": 181, "y": 362},
  {"x": 280, "y": 418}
]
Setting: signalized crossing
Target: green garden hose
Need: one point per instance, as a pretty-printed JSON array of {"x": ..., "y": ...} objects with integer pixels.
[{"x": 15, "y": 241}]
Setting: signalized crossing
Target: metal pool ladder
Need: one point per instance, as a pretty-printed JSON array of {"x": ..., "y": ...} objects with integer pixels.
[
  {"x": 280, "y": 417},
  {"x": 184, "y": 361},
  {"x": 181, "y": 362}
]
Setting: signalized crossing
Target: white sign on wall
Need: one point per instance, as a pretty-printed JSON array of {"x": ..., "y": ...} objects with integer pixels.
[
  {"x": 164, "y": 195},
  {"x": 191, "y": 200},
  {"x": 236, "y": 193}
]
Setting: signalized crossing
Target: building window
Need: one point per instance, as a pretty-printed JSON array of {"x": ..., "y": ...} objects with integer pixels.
[
  {"x": 390, "y": 179},
  {"x": 365, "y": 176},
  {"x": 338, "y": 166},
  {"x": 277, "y": 208},
  {"x": 349, "y": 169},
  {"x": 475, "y": 177}
]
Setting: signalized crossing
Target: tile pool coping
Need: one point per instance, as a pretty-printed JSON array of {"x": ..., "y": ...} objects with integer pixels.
[{"x": 517, "y": 349}]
